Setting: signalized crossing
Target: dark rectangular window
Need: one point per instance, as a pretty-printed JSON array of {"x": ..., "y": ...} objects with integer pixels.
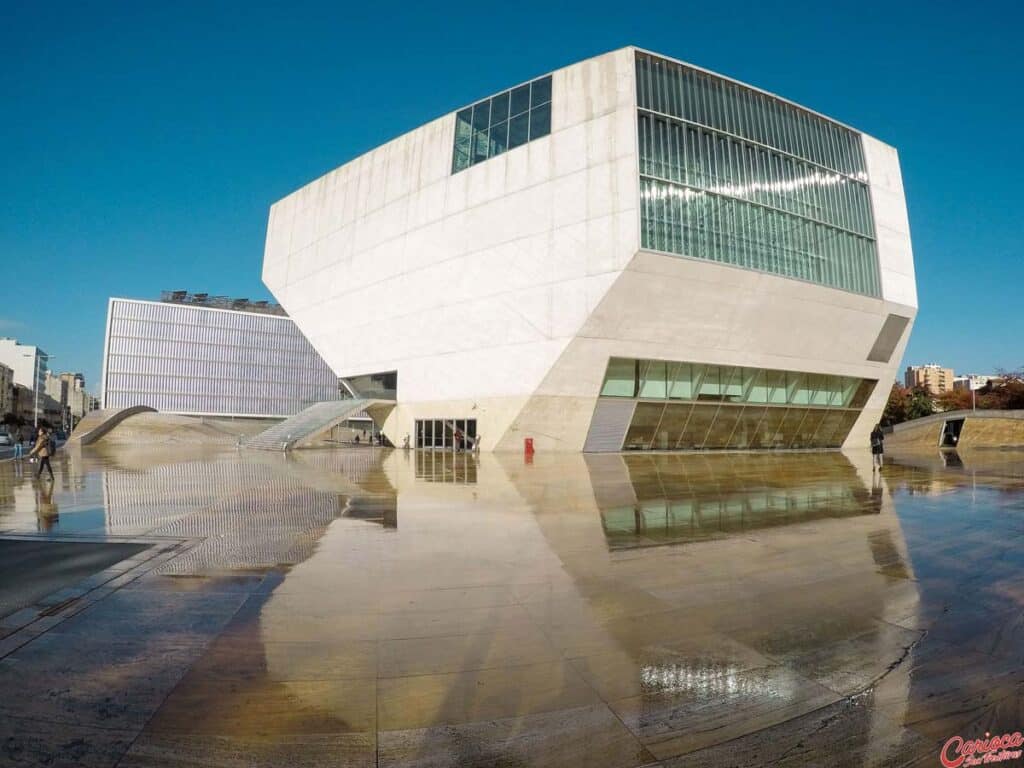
[
  {"x": 540, "y": 121},
  {"x": 518, "y": 130},
  {"x": 520, "y": 100},
  {"x": 499, "y": 108},
  {"x": 503, "y": 122}
]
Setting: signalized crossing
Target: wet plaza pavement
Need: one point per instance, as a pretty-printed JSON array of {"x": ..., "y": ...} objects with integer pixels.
[{"x": 368, "y": 607}]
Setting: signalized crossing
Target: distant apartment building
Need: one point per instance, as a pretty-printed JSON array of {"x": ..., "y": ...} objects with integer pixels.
[
  {"x": 6, "y": 389},
  {"x": 68, "y": 390},
  {"x": 973, "y": 381},
  {"x": 56, "y": 387},
  {"x": 28, "y": 362},
  {"x": 932, "y": 377},
  {"x": 79, "y": 402},
  {"x": 31, "y": 405}
]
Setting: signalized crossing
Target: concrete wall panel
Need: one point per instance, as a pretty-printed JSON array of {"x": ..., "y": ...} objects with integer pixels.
[{"x": 468, "y": 284}]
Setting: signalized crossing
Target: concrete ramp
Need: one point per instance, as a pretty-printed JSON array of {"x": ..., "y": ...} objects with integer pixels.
[
  {"x": 307, "y": 426},
  {"x": 96, "y": 424},
  {"x": 977, "y": 429}
]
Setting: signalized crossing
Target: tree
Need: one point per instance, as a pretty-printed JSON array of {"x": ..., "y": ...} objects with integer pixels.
[
  {"x": 955, "y": 400},
  {"x": 920, "y": 404},
  {"x": 1003, "y": 393},
  {"x": 906, "y": 403},
  {"x": 895, "y": 411},
  {"x": 13, "y": 420}
]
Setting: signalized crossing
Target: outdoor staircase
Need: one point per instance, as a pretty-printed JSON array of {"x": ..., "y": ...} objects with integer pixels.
[{"x": 306, "y": 425}]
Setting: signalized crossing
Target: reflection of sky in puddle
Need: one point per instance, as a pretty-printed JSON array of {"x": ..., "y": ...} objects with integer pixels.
[{"x": 77, "y": 521}]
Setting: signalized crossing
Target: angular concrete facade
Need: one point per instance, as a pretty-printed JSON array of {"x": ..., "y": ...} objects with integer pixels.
[{"x": 500, "y": 292}]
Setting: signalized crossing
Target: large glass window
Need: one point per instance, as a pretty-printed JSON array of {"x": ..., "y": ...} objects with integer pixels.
[
  {"x": 652, "y": 379},
  {"x": 736, "y": 407},
  {"x": 701, "y": 158},
  {"x": 644, "y": 425},
  {"x": 621, "y": 378},
  {"x": 731, "y": 175},
  {"x": 446, "y": 434},
  {"x": 659, "y": 379},
  {"x": 706, "y": 225},
  {"x": 506, "y": 121},
  {"x": 676, "y": 90}
]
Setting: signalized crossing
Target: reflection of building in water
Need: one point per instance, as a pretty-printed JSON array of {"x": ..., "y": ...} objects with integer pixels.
[
  {"x": 347, "y": 471},
  {"x": 373, "y": 509},
  {"x": 446, "y": 466},
  {"x": 678, "y": 498},
  {"x": 47, "y": 512},
  {"x": 809, "y": 590},
  {"x": 523, "y": 552},
  {"x": 887, "y": 555},
  {"x": 936, "y": 472},
  {"x": 247, "y": 515}
]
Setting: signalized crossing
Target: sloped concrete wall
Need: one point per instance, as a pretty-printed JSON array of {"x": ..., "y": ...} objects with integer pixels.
[{"x": 992, "y": 433}]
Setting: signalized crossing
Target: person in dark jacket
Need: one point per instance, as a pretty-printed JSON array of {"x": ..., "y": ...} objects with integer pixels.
[{"x": 877, "y": 447}]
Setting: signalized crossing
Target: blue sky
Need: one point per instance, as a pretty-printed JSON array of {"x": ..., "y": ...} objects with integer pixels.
[{"x": 145, "y": 142}]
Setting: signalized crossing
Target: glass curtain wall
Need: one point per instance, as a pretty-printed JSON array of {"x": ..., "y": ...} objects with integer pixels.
[
  {"x": 194, "y": 360},
  {"x": 736, "y": 176},
  {"x": 500, "y": 123},
  {"x": 693, "y": 406}
]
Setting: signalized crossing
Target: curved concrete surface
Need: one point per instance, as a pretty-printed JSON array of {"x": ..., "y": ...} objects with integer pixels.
[
  {"x": 98, "y": 423},
  {"x": 981, "y": 429},
  {"x": 147, "y": 429}
]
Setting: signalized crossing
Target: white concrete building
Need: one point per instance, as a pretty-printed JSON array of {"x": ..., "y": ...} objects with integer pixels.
[
  {"x": 630, "y": 252},
  {"x": 28, "y": 363},
  {"x": 974, "y": 381}
]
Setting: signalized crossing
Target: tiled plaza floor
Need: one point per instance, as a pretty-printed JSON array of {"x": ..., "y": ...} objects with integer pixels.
[{"x": 386, "y": 608}]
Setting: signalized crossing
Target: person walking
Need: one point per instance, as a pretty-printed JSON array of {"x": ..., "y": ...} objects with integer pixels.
[
  {"x": 19, "y": 449},
  {"x": 877, "y": 447},
  {"x": 42, "y": 450}
]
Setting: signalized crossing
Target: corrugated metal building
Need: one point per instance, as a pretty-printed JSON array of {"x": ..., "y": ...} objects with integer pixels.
[{"x": 189, "y": 358}]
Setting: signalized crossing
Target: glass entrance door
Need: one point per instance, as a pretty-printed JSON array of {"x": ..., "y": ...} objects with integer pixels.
[{"x": 445, "y": 434}]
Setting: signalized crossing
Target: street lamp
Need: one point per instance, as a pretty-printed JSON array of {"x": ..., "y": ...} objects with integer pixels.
[{"x": 35, "y": 385}]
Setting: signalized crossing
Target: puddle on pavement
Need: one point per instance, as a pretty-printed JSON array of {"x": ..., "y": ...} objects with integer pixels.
[{"x": 606, "y": 609}]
